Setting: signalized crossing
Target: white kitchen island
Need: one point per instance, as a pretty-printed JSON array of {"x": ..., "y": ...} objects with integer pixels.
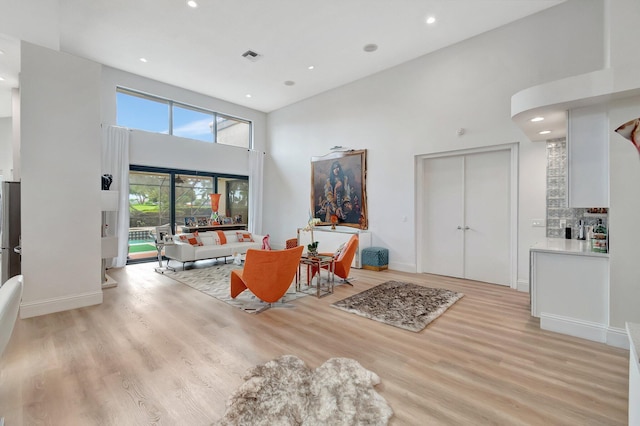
[{"x": 569, "y": 286}]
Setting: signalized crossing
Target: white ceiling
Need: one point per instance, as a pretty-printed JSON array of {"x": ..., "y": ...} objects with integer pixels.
[{"x": 201, "y": 49}]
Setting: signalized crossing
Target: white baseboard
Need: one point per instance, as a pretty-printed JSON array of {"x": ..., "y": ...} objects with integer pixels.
[
  {"x": 403, "y": 267},
  {"x": 617, "y": 337},
  {"x": 574, "y": 327},
  {"x": 612, "y": 336},
  {"x": 110, "y": 282},
  {"x": 522, "y": 285},
  {"x": 59, "y": 304}
]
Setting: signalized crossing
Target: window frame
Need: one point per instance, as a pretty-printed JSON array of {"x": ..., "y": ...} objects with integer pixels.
[{"x": 171, "y": 103}]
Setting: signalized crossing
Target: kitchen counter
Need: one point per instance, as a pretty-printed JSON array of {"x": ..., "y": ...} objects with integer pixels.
[
  {"x": 569, "y": 287},
  {"x": 564, "y": 246}
]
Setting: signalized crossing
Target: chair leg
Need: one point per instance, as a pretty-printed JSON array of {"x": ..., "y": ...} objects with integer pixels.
[
  {"x": 346, "y": 281},
  {"x": 258, "y": 310}
]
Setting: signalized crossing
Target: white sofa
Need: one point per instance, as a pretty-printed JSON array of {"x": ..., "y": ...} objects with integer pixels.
[{"x": 211, "y": 248}]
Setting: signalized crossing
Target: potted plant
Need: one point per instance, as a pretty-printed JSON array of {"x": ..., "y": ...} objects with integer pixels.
[{"x": 312, "y": 248}]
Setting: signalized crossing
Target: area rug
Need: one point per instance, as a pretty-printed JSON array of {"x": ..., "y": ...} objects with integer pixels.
[
  {"x": 405, "y": 305},
  {"x": 285, "y": 391},
  {"x": 215, "y": 281}
]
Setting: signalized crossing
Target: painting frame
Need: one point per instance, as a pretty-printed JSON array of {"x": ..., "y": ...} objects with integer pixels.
[{"x": 338, "y": 188}]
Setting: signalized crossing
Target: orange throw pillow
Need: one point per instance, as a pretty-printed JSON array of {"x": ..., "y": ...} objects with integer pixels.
[
  {"x": 222, "y": 238},
  {"x": 244, "y": 237},
  {"x": 193, "y": 239}
]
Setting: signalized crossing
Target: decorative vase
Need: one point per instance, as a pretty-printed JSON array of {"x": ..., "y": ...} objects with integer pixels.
[
  {"x": 312, "y": 253},
  {"x": 333, "y": 226},
  {"x": 215, "y": 202}
]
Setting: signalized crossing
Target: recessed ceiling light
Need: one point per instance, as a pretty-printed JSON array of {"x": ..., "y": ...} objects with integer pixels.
[
  {"x": 143, "y": 60},
  {"x": 1, "y": 79},
  {"x": 192, "y": 3},
  {"x": 289, "y": 83},
  {"x": 431, "y": 20},
  {"x": 545, "y": 132},
  {"x": 370, "y": 47},
  {"x": 248, "y": 95},
  {"x": 1, "y": 52},
  {"x": 310, "y": 67},
  {"x": 534, "y": 119}
]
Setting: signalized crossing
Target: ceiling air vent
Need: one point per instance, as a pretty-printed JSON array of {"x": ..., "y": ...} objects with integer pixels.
[{"x": 251, "y": 55}]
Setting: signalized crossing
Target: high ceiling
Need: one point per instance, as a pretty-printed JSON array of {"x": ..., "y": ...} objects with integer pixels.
[{"x": 201, "y": 48}]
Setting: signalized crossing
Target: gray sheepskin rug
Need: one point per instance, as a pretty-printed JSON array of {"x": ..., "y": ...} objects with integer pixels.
[
  {"x": 404, "y": 305},
  {"x": 285, "y": 391}
]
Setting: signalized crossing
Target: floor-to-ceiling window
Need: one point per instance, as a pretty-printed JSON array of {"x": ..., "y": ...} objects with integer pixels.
[{"x": 160, "y": 196}]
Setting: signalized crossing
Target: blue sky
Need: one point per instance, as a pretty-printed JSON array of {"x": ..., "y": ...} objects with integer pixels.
[{"x": 144, "y": 114}]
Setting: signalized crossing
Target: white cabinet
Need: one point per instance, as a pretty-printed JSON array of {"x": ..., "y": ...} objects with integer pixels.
[
  {"x": 330, "y": 239},
  {"x": 109, "y": 203},
  {"x": 570, "y": 292},
  {"x": 588, "y": 157}
]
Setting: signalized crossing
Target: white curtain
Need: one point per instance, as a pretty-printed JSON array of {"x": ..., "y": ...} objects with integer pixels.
[
  {"x": 115, "y": 161},
  {"x": 256, "y": 166}
]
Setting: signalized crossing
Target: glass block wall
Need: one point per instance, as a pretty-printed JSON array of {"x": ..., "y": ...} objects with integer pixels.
[{"x": 557, "y": 210}]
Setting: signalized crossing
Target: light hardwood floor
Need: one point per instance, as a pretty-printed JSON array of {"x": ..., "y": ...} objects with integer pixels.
[{"x": 159, "y": 352}]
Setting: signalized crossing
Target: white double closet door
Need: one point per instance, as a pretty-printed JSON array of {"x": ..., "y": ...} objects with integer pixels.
[{"x": 466, "y": 221}]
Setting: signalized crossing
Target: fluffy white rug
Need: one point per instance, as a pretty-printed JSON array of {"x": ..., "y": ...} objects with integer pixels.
[{"x": 285, "y": 391}]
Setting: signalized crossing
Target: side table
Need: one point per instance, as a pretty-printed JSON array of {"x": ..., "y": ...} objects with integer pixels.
[
  {"x": 317, "y": 262},
  {"x": 162, "y": 269}
]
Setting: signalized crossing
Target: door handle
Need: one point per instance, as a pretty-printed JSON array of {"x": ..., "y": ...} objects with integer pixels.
[
  {"x": 466, "y": 228},
  {"x": 459, "y": 227}
]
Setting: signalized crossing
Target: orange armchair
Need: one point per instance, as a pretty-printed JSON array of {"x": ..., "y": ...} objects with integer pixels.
[
  {"x": 268, "y": 274},
  {"x": 344, "y": 259}
]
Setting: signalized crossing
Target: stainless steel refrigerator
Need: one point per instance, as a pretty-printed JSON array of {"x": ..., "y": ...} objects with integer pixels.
[{"x": 10, "y": 230}]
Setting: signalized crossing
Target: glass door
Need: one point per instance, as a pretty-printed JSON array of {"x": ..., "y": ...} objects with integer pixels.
[
  {"x": 193, "y": 204},
  {"x": 149, "y": 206},
  {"x": 179, "y": 198}
]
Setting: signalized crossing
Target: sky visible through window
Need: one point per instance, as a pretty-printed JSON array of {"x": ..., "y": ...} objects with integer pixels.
[{"x": 146, "y": 114}]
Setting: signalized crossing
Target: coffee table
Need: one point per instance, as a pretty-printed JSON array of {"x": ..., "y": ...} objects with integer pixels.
[{"x": 317, "y": 262}]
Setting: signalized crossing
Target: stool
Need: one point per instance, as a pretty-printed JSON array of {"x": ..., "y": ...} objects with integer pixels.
[{"x": 375, "y": 258}]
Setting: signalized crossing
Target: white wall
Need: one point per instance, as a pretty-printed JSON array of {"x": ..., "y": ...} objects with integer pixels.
[
  {"x": 416, "y": 108},
  {"x": 622, "y": 31},
  {"x": 60, "y": 154},
  {"x": 15, "y": 108},
  {"x": 6, "y": 150},
  {"x": 624, "y": 196},
  {"x": 153, "y": 149}
]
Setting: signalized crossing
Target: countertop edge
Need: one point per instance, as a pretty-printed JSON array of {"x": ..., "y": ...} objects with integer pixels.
[
  {"x": 564, "y": 246},
  {"x": 573, "y": 253}
]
